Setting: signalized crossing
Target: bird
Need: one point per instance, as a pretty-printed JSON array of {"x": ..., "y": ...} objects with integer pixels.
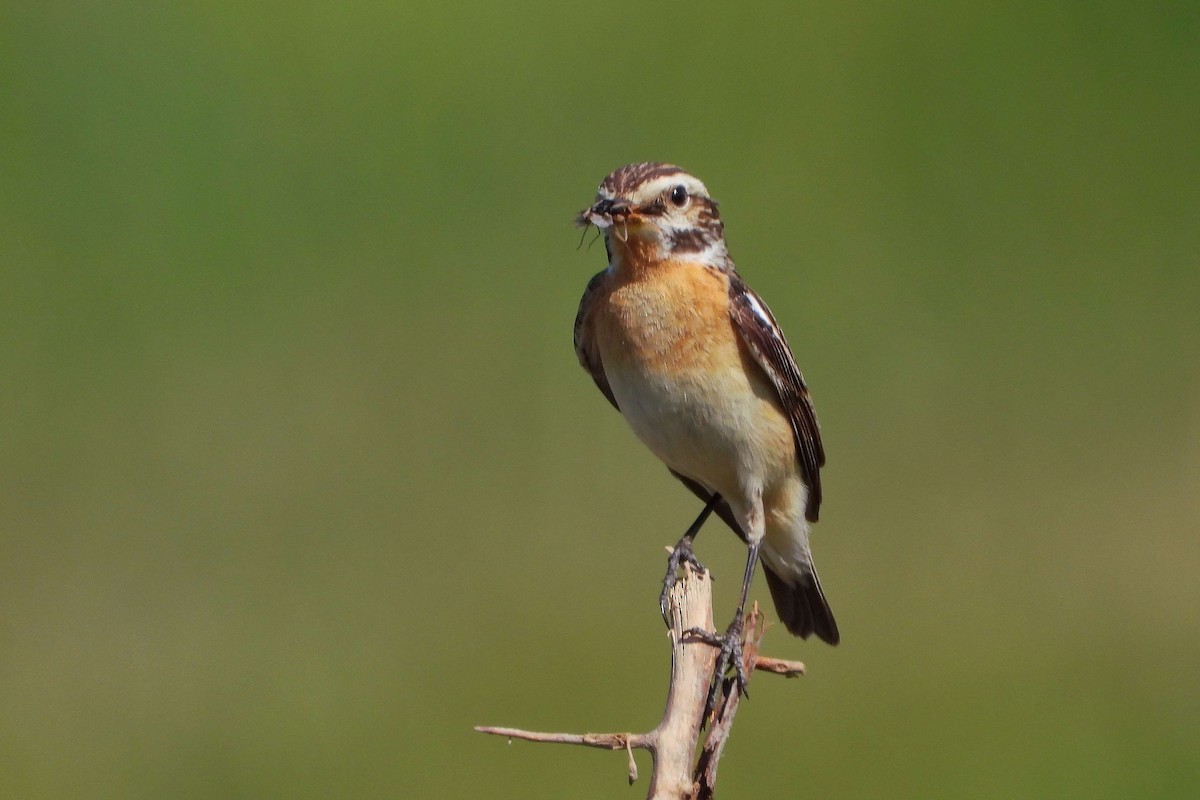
[{"x": 695, "y": 362}]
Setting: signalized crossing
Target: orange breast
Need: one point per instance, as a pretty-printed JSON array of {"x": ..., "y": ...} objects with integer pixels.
[{"x": 671, "y": 318}]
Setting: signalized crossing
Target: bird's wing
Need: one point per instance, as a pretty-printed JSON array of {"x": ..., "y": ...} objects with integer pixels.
[
  {"x": 585, "y": 345},
  {"x": 757, "y": 328}
]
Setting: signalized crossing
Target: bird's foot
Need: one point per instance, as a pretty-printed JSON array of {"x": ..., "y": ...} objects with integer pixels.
[
  {"x": 730, "y": 655},
  {"x": 680, "y": 555}
]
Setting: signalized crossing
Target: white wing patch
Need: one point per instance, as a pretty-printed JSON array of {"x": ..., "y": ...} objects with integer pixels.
[{"x": 759, "y": 311}]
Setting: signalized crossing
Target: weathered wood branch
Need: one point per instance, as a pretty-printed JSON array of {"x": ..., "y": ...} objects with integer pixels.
[{"x": 678, "y": 773}]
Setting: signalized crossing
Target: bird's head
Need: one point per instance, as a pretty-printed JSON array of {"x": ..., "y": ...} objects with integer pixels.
[{"x": 657, "y": 211}]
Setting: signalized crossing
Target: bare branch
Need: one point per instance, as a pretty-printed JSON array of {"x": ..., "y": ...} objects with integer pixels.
[{"x": 678, "y": 774}]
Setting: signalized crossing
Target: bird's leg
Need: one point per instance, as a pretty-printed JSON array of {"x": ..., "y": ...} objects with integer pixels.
[
  {"x": 682, "y": 553},
  {"x": 731, "y": 642},
  {"x": 732, "y": 647}
]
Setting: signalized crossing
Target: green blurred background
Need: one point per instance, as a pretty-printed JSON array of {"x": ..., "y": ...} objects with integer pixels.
[{"x": 299, "y": 479}]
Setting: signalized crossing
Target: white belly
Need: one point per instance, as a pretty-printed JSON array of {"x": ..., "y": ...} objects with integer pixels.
[{"x": 710, "y": 432}]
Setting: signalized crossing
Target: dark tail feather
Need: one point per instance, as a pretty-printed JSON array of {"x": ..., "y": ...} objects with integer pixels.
[{"x": 802, "y": 607}]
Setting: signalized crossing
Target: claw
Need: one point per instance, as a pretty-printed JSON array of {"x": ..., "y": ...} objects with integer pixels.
[
  {"x": 682, "y": 554},
  {"x": 730, "y": 655}
]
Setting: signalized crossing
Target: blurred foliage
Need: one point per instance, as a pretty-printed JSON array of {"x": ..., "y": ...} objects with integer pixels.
[{"x": 299, "y": 479}]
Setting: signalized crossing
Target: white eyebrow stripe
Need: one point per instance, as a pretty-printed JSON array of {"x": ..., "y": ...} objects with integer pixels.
[{"x": 661, "y": 184}]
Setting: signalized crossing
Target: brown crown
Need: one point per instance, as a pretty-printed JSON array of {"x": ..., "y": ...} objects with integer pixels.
[{"x": 623, "y": 181}]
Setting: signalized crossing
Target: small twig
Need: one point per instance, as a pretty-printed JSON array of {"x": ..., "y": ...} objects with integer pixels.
[
  {"x": 605, "y": 741},
  {"x": 632, "y": 763},
  {"x": 778, "y": 666}
]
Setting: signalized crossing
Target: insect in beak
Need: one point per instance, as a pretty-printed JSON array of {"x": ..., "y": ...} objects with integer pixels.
[{"x": 604, "y": 214}]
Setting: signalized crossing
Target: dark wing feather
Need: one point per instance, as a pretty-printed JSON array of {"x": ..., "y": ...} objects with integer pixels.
[
  {"x": 757, "y": 327},
  {"x": 585, "y": 348}
]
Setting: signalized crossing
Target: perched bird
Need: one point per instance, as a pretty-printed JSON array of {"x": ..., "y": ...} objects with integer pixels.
[{"x": 698, "y": 367}]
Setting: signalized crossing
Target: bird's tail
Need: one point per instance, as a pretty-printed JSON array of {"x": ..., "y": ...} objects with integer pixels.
[{"x": 801, "y": 604}]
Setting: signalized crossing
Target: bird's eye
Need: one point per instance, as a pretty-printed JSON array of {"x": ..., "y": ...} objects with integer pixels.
[{"x": 679, "y": 195}]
